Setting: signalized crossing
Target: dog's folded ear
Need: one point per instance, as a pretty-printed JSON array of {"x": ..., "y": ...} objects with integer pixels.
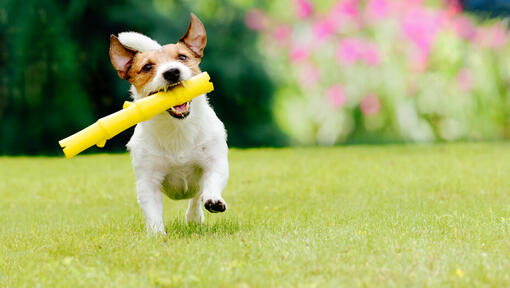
[
  {"x": 195, "y": 38},
  {"x": 120, "y": 56}
]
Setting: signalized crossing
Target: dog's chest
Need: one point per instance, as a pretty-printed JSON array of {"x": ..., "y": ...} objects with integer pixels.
[
  {"x": 182, "y": 155},
  {"x": 183, "y": 172},
  {"x": 178, "y": 141}
]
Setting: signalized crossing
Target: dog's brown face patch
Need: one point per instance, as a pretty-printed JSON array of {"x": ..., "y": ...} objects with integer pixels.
[{"x": 144, "y": 65}]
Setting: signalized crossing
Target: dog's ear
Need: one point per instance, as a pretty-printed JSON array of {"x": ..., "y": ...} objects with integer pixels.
[
  {"x": 120, "y": 56},
  {"x": 195, "y": 38}
]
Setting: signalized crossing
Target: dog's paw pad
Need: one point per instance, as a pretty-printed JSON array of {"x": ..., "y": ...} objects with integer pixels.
[{"x": 215, "y": 205}]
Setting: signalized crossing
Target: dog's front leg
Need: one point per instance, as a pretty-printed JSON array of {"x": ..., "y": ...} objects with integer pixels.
[
  {"x": 148, "y": 186},
  {"x": 214, "y": 180}
]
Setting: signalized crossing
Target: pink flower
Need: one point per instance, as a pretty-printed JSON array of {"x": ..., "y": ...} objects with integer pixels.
[
  {"x": 499, "y": 36},
  {"x": 298, "y": 53},
  {"x": 303, "y": 8},
  {"x": 464, "y": 28},
  {"x": 351, "y": 50},
  {"x": 323, "y": 29},
  {"x": 282, "y": 33},
  {"x": 336, "y": 95},
  {"x": 345, "y": 15},
  {"x": 414, "y": 3},
  {"x": 403, "y": 7},
  {"x": 453, "y": 7},
  {"x": 347, "y": 8},
  {"x": 465, "y": 80},
  {"x": 421, "y": 28},
  {"x": 378, "y": 8},
  {"x": 492, "y": 37},
  {"x": 255, "y": 20},
  {"x": 371, "y": 54},
  {"x": 370, "y": 104}
]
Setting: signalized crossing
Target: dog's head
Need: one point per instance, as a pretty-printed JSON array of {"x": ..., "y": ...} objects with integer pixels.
[{"x": 151, "y": 67}]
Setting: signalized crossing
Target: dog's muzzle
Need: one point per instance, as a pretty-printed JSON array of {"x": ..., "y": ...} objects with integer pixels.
[{"x": 180, "y": 111}]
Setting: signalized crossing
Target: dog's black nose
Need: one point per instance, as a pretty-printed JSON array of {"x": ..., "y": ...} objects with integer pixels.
[{"x": 172, "y": 75}]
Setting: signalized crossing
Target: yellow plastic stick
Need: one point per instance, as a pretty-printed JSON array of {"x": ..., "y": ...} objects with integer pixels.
[{"x": 133, "y": 113}]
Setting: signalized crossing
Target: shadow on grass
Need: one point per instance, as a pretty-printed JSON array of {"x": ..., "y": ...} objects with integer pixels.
[{"x": 178, "y": 228}]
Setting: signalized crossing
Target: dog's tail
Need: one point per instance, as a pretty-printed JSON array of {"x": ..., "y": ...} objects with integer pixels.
[{"x": 138, "y": 42}]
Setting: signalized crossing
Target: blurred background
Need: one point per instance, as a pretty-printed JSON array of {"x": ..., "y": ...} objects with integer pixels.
[{"x": 286, "y": 72}]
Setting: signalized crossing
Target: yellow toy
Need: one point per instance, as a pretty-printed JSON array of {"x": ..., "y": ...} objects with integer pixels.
[{"x": 133, "y": 113}]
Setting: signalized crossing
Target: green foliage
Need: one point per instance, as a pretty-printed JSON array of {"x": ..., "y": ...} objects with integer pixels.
[
  {"x": 56, "y": 77},
  {"x": 420, "y": 216},
  {"x": 40, "y": 97}
]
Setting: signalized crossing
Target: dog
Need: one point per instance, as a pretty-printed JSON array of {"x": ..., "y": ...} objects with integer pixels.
[{"x": 183, "y": 152}]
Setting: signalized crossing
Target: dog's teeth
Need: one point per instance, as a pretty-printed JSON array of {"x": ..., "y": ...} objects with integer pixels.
[{"x": 183, "y": 84}]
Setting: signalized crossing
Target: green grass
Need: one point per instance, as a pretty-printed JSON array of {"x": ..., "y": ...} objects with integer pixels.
[{"x": 305, "y": 217}]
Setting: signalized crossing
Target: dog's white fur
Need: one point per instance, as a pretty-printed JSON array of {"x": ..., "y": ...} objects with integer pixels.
[
  {"x": 138, "y": 42},
  {"x": 184, "y": 158}
]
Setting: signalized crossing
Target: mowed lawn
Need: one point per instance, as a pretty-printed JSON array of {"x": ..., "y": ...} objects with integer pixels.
[{"x": 434, "y": 216}]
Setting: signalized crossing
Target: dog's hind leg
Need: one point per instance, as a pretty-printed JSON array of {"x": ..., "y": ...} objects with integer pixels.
[{"x": 194, "y": 214}]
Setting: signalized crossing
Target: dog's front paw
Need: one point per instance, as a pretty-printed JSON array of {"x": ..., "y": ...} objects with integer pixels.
[{"x": 215, "y": 205}]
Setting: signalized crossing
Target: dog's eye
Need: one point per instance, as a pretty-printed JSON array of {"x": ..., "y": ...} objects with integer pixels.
[
  {"x": 147, "y": 67},
  {"x": 182, "y": 57}
]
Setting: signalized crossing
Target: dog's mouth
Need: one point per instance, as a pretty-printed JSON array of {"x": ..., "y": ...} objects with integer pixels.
[{"x": 179, "y": 111}]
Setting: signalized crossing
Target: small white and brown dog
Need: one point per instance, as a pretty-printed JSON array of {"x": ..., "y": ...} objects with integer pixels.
[{"x": 182, "y": 153}]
